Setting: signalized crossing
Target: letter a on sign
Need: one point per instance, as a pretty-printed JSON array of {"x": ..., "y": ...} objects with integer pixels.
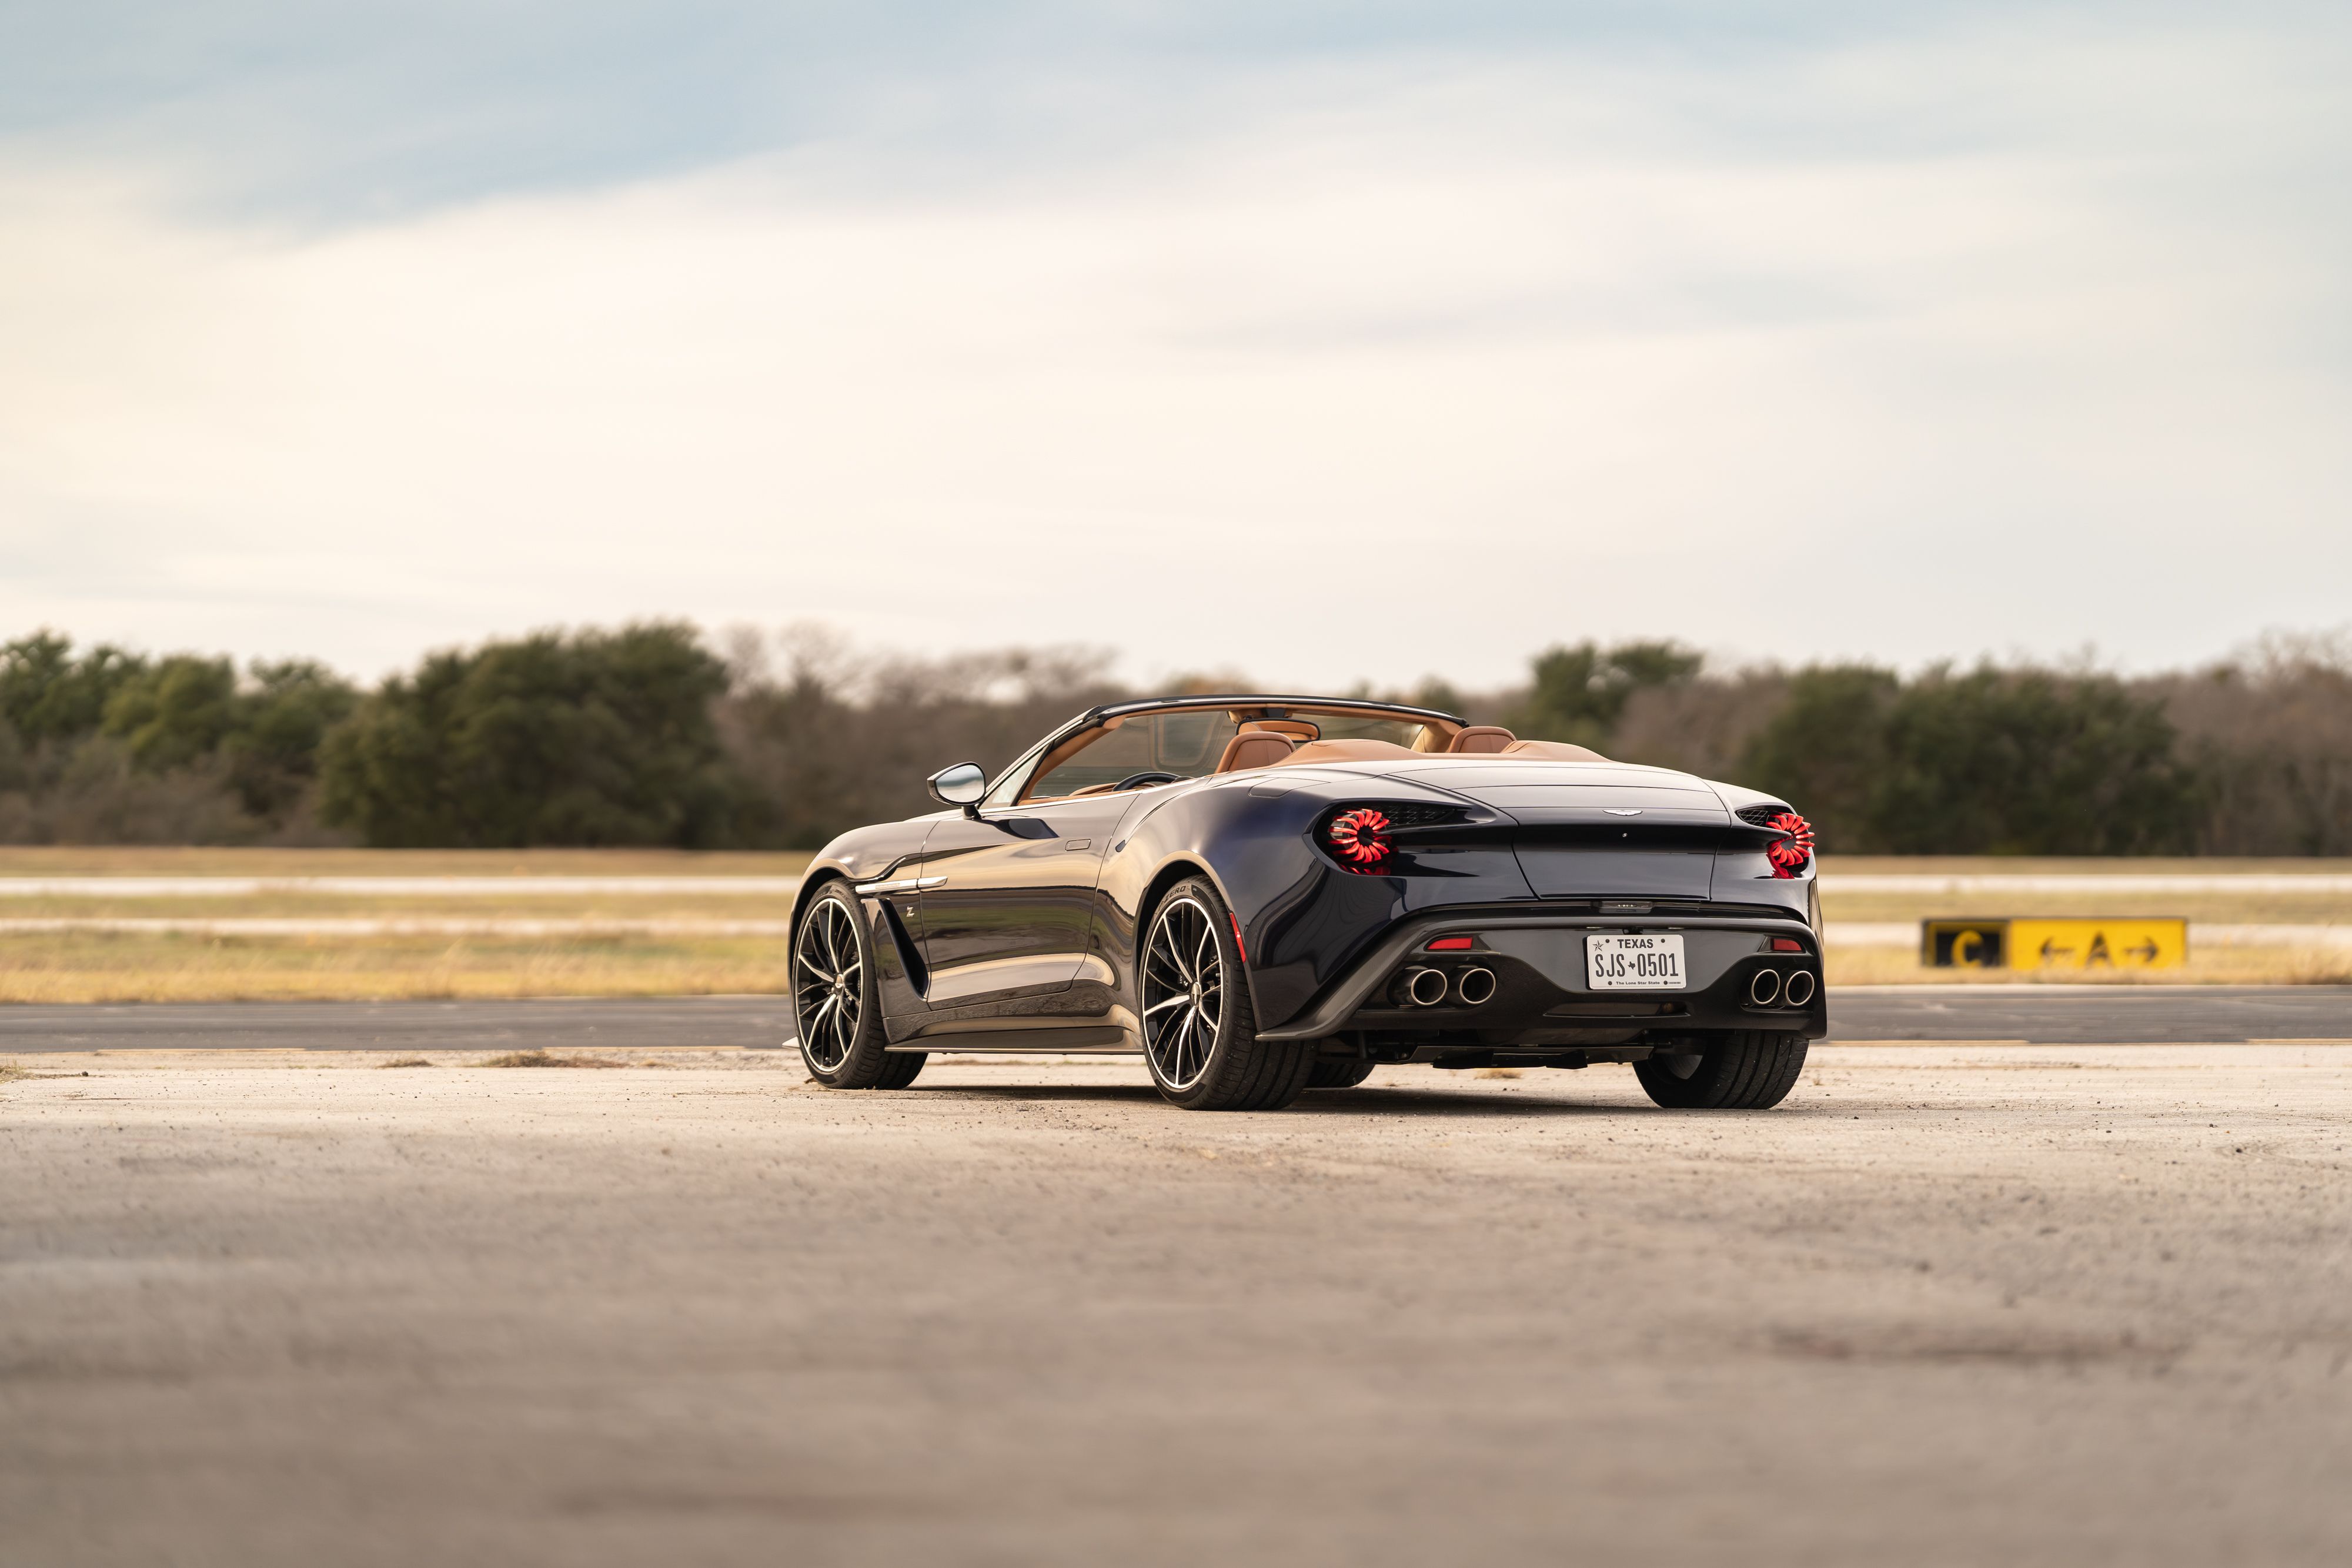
[{"x": 2082, "y": 944}]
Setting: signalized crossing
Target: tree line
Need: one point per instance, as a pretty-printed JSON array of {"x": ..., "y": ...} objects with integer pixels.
[{"x": 651, "y": 735}]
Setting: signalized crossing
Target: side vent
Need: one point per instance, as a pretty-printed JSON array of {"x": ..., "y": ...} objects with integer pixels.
[{"x": 1414, "y": 814}]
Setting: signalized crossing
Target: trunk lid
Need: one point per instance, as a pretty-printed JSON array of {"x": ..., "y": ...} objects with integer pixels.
[{"x": 1593, "y": 830}]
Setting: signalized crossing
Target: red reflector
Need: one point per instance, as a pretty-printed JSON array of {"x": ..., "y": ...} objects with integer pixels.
[
  {"x": 1787, "y": 945},
  {"x": 1450, "y": 945},
  {"x": 1239, "y": 951}
]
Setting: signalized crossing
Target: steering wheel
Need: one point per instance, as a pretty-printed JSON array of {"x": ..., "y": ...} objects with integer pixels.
[{"x": 1138, "y": 781}]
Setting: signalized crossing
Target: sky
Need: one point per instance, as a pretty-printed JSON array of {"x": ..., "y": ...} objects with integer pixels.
[{"x": 1321, "y": 342}]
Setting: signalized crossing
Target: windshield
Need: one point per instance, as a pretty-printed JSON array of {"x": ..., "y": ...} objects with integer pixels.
[
  {"x": 1185, "y": 744},
  {"x": 1189, "y": 745}
]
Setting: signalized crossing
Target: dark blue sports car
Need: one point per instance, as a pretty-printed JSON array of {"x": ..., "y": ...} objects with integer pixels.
[{"x": 1261, "y": 895}]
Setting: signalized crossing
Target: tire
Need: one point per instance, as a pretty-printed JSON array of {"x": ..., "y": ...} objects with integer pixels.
[
  {"x": 1742, "y": 1070},
  {"x": 1200, "y": 1033},
  {"x": 1339, "y": 1075},
  {"x": 837, "y": 1002}
]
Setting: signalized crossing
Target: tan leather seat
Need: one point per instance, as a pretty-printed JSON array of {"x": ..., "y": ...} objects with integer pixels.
[
  {"x": 1552, "y": 751},
  {"x": 1480, "y": 738},
  {"x": 1254, "y": 749}
]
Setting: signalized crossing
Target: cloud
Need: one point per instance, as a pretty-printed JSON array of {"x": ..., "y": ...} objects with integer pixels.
[{"x": 1370, "y": 366}]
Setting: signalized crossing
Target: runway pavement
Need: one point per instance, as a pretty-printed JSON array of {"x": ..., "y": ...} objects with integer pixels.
[
  {"x": 2092, "y": 1015},
  {"x": 2055, "y": 1015},
  {"x": 1949, "y": 1305}
]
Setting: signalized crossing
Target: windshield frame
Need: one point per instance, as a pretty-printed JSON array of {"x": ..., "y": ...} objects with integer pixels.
[{"x": 1040, "y": 761}]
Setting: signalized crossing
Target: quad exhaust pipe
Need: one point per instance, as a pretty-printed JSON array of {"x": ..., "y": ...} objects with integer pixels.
[
  {"x": 1475, "y": 986},
  {"x": 1427, "y": 988}
]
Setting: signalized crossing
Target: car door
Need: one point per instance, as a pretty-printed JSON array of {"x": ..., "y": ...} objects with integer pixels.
[{"x": 1008, "y": 902}]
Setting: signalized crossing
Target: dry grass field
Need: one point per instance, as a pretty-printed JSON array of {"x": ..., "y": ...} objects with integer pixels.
[
  {"x": 664, "y": 939},
  {"x": 1847, "y": 895},
  {"x": 105, "y": 966},
  {"x": 2285, "y": 965},
  {"x": 1850, "y": 898},
  {"x": 158, "y": 966},
  {"x": 139, "y": 860}
]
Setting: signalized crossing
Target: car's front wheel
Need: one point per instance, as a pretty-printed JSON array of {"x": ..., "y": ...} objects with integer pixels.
[
  {"x": 1740, "y": 1070},
  {"x": 836, "y": 1000},
  {"x": 1200, "y": 1033}
]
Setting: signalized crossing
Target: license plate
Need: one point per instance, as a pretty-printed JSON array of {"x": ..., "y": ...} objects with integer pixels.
[{"x": 1634, "y": 963}]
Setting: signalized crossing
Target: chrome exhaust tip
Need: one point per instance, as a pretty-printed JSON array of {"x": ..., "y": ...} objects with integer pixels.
[
  {"x": 1425, "y": 987},
  {"x": 1475, "y": 986},
  {"x": 1800, "y": 989},
  {"x": 1765, "y": 987}
]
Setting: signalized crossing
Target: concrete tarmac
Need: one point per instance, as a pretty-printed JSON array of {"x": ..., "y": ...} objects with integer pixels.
[
  {"x": 1949, "y": 1305},
  {"x": 2034, "y": 1014}
]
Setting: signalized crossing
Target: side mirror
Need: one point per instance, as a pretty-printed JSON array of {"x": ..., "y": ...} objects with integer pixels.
[{"x": 962, "y": 784}]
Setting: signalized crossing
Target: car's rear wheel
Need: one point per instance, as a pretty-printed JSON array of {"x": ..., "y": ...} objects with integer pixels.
[
  {"x": 836, "y": 1003},
  {"x": 1339, "y": 1074},
  {"x": 1740, "y": 1070},
  {"x": 1200, "y": 1033}
]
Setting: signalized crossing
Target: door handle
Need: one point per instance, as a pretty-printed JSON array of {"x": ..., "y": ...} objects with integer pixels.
[
  {"x": 1077, "y": 843},
  {"x": 903, "y": 884}
]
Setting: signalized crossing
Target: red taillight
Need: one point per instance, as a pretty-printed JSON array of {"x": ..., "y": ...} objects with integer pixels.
[
  {"x": 1360, "y": 838},
  {"x": 1451, "y": 945},
  {"x": 1793, "y": 850}
]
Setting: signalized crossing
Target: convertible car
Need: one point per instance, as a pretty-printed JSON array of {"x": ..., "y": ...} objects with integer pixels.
[{"x": 1261, "y": 895}]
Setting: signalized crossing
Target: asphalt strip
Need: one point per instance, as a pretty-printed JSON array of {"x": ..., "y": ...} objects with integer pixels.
[{"x": 2034, "y": 1015}]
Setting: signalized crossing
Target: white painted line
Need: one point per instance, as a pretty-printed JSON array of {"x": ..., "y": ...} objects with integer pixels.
[
  {"x": 1842, "y": 933},
  {"x": 2202, "y": 933},
  {"x": 1873, "y": 934},
  {"x": 260, "y": 926},
  {"x": 1971, "y": 883},
  {"x": 393, "y": 886},
  {"x": 2157, "y": 988},
  {"x": 2080, "y": 882}
]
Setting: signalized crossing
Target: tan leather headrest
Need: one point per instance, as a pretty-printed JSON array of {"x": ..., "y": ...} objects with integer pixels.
[
  {"x": 1481, "y": 738},
  {"x": 1552, "y": 751},
  {"x": 1254, "y": 749}
]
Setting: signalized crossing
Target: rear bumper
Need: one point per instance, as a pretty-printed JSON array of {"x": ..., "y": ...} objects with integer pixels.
[{"x": 1541, "y": 997}]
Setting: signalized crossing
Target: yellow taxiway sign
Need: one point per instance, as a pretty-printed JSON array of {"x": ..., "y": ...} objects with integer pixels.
[{"x": 2073, "y": 942}]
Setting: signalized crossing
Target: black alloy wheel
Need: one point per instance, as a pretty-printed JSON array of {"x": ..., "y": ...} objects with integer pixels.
[
  {"x": 836, "y": 1001},
  {"x": 1200, "y": 1033},
  {"x": 1740, "y": 1070}
]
